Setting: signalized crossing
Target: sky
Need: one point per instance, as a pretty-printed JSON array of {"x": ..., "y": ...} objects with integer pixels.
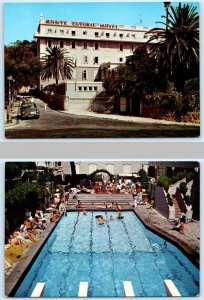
[{"x": 21, "y": 18}]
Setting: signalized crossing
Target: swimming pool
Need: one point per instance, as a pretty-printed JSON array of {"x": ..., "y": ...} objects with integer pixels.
[{"x": 121, "y": 250}]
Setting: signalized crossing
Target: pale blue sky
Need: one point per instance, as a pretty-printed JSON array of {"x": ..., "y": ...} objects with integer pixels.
[{"x": 21, "y": 19}]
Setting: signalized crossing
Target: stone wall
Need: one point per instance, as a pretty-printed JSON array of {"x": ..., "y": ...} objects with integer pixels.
[{"x": 161, "y": 204}]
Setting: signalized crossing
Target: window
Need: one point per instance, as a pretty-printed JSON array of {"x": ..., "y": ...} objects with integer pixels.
[
  {"x": 121, "y": 35},
  {"x": 85, "y": 45},
  {"x": 61, "y": 44},
  {"x": 132, "y": 48},
  {"x": 49, "y": 30},
  {"x": 80, "y": 88},
  {"x": 86, "y": 59},
  {"x": 107, "y": 34},
  {"x": 73, "y": 45},
  {"x": 95, "y": 60},
  {"x": 96, "y": 46},
  {"x": 84, "y": 75},
  {"x": 73, "y": 33},
  {"x": 110, "y": 168},
  {"x": 85, "y": 88},
  {"x": 92, "y": 168},
  {"x": 96, "y": 34},
  {"x": 121, "y": 47},
  {"x": 90, "y": 88},
  {"x": 61, "y": 31},
  {"x": 49, "y": 44},
  {"x": 120, "y": 59},
  {"x": 127, "y": 169},
  {"x": 95, "y": 88}
]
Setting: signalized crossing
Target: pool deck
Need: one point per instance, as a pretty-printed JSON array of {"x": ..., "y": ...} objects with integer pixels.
[{"x": 190, "y": 242}]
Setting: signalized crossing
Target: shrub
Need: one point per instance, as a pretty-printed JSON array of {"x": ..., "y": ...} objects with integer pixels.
[
  {"x": 164, "y": 182},
  {"x": 187, "y": 200},
  {"x": 183, "y": 188}
]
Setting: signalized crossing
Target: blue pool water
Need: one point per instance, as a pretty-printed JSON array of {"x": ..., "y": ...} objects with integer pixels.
[{"x": 106, "y": 255}]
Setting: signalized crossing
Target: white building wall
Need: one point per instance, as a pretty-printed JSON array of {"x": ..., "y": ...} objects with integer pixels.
[
  {"x": 117, "y": 166},
  {"x": 115, "y": 42}
]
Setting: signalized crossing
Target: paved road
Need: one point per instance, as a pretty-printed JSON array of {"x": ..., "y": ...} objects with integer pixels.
[{"x": 54, "y": 124}]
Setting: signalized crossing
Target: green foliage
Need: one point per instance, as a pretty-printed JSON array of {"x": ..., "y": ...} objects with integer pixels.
[
  {"x": 24, "y": 194},
  {"x": 143, "y": 178},
  {"x": 137, "y": 77},
  {"x": 191, "y": 95},
  {"x": 45, "y": 177},
  {"x": 22, "y": 63},
  {"x": 179, "y": 176},
  {"x": 187, "y": 200},
  {"x": 183, "y": 188},
  {"x": 176, "y": 47},
  {"x": 164, "y": 182},
  {"x": 14, "y": 169},
  {"x": 56, "y": 64},
  {"x": 190, "y": 176}
]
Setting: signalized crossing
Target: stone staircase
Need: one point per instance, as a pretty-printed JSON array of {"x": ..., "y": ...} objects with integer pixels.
[
  {"x": 177, "y": 209},
  {"x": 102, "y": 198}
]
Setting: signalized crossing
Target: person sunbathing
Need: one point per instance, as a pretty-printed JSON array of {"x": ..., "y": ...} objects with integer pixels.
[{"x": 14, "y": 241}]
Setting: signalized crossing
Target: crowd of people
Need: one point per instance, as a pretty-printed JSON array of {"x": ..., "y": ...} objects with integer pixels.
[{"x": 29, "y": 232}]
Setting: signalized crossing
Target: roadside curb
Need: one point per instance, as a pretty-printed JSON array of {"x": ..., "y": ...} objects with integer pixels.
[{"x": 125, "y": 119}]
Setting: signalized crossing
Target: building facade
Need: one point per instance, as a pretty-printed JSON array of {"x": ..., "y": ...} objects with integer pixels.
[
  {"x": 91, "y": 45},
  {"x": 95, "y": 49}
]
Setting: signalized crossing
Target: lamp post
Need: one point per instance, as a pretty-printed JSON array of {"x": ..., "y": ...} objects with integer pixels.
[
  {"x": 166, "y": 5},
  {"x": 10, "y": 79}
]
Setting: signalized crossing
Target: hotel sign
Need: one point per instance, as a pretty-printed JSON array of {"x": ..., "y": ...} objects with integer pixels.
[
  {"x": 85, "y": 24},
  {"x": 81, "y": 24},
  {"x": 53, "y": 22}
]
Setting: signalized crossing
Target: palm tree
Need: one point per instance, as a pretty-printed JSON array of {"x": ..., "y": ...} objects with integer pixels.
[
  {"x": 56, "y": 64},
  {"x": 176, "y": 47}
]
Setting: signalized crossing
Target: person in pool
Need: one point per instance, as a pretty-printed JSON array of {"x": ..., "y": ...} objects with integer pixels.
[
  {"x": 101, "y": 220},
  {"x": 120, "y": 216},
  {"x": 111, "y": 218}
]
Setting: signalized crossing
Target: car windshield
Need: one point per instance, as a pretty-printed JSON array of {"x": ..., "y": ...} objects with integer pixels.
[{"x": 28, "y": 105}]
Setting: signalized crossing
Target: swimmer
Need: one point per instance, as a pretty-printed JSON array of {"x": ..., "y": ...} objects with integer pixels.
[
  {"x": 101, "y": 220},
  {"x": 111, "y": 218},
  {"x": 120, "y": 216}
]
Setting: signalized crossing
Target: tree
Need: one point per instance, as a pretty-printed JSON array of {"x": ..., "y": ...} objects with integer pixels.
[
  {"x": 143, "y": 178},
  {"x": 176, "y": 47},
  {"x": 56, "y": 64},
  {"x": 22, "y": 63},
  {"x": 136, "y": 78},
  {"x": 73, "y": 171}
]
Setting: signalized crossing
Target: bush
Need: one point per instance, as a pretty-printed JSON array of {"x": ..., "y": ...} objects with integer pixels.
[
  {"x": 183, "y": 188},
  {"x": 187, "y": 200},
  {"x": 164, "y": 182}
]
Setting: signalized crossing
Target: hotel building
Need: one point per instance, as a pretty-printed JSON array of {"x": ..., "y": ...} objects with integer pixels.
[{"x": 95, "y": 48}]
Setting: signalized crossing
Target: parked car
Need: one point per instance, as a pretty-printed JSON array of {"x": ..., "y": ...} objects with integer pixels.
[{"x": 29, "y": 110}]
